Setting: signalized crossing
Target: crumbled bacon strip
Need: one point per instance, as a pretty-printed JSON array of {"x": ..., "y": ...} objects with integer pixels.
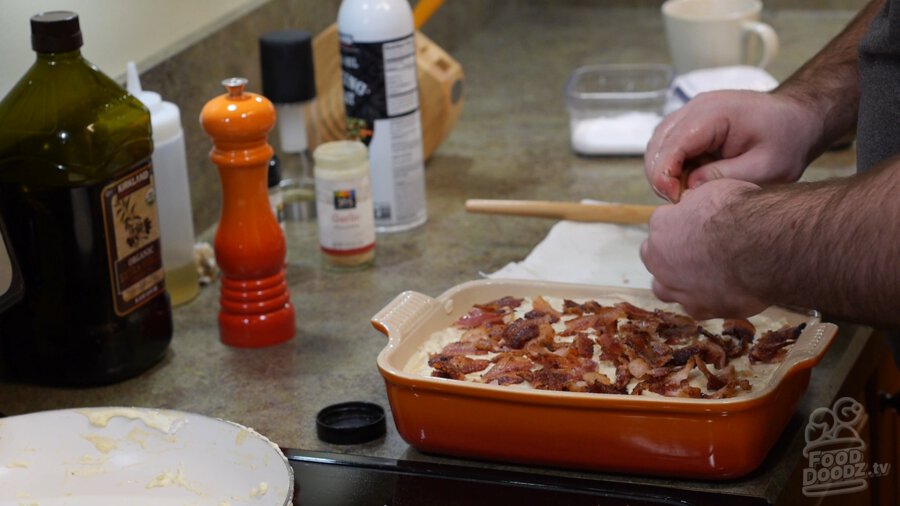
[
  {"x": 542, "y": 308},
  {"x": 509, "y": 369},
  {"x": 657, "y": 348},
  {"x": 551, "y": 379},
  {"x": 477, "y": 317},
  {"x": 771, "y": 346},
  {"x": 740, "y": 329},
  {"x": 459, "y": 348},
  {"x": 503, "y": 302},
  {"x": 457, "y": 366},
  {"x": 519, "y": 332}
]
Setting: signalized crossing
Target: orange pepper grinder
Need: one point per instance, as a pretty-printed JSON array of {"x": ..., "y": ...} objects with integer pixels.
[{"x": 250, "y": 249}]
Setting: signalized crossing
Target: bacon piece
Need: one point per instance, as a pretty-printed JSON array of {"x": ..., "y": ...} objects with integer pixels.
[
  {"x": 648, "y": 326},
  {"x": 592, "y": 306},
  {"x": 681, "y": 375},
  {"x": 600, "y": 384},
  {"x": 460, "y": 348},
  {"x": 732, "y": 347},
  {"x": 491, "y": 313},
  {"x": 551, "y": 379},
  {"x": 596, "y": 377},
  {"x": 519, "y": 332},
  {"x": 540, "y": 346},
  {"x": 572, "y": 307},
  {"x": 603, "y": 321},
  {"x": 611, "y": 349},
  {"x": 635, "y": 313},
  {"x": 640, "y": 344},
  {"x": 730, "y": 389},
  {"x": 740, "y": 329},
  {"x": 669, "y": 382},
  {"x": 540, "y": 308},
  {"x": 622, "y": 376},
  {"x": 456, "y": 367},
  {"x": 477, "y": 317},
  {"x": 579, "y": 366},
  {"x": 508, "y": 369},
  {"x": 683, "y": 390},
  {"x": 712, "y": 353},
  {"x": 638, "y": 367},
  {"x": 681, "y": 355},
  {"x": 503, "y": 302},
  {"x": 771, "y": 346},
  {"x": 724, "y": 384},
  {"x": 713, "y": 382},
  {"x": 676, "y": 328},
  {"x": 583, "y": 346}
]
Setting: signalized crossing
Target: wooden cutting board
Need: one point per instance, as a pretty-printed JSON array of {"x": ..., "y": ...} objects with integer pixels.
[{"x": 440, "y": 89}]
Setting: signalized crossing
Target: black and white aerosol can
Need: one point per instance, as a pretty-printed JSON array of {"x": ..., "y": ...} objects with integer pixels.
[{"x": 381, "y": 97}]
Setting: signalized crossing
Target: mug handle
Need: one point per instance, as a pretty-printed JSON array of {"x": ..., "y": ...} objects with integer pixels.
[{"x": 767, "y": 37}]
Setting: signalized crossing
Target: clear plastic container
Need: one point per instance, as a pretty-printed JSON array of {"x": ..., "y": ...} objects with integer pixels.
[{"x": 613, "y": 108}]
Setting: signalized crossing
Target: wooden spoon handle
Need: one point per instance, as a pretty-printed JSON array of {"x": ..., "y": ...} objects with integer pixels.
[{"x": 627, "y": 214}]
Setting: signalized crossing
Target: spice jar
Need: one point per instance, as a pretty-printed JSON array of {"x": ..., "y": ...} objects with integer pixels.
[{"x": 344, "y": 205}]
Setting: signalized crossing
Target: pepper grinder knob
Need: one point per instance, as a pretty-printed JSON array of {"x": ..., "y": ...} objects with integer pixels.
[{"x": 255, "y": 307}]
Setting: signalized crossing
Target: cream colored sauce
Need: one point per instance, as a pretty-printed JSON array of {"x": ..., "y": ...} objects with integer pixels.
[
  {"x": 159, "y": 420},
  {"x": 260, "y": 490},
  {"x": 758, "y": 374},
  {"x": 103, "y": 444},
  {"x": 173, "y": 478}
]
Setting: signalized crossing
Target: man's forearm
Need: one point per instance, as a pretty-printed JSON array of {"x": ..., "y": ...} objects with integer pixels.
[
  {"x": 829, "y": 81},
  {"x": 833, "y": 246}
]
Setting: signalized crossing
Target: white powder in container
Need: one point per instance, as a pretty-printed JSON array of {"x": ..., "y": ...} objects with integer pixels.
[{"x": 625, "y": 134}]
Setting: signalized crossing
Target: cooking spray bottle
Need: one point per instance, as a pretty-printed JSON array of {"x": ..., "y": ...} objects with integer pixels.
[{"x": 381, "y": 97}]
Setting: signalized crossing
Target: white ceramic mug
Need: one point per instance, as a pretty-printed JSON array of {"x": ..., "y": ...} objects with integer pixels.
[{"x": 716, "y": 33}]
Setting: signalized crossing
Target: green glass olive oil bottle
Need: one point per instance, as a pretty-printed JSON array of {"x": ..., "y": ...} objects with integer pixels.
[{"x": 77, "y": 195}]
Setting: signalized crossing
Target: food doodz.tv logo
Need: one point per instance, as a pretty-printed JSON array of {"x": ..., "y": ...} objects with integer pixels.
[{"x": 836, "y": 453}]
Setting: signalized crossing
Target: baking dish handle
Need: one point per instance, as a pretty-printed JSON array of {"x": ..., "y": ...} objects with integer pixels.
[
  {"x": 812, "y": 344},
  {"x": 402, "y": 314}
]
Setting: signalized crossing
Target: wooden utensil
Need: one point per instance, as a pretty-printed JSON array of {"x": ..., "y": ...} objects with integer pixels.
[
  {"x": 440, "y": 85},
  {"x": 626, "y": 214}
]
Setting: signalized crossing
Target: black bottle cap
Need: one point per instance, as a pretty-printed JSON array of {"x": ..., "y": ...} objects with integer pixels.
[
  {"x": 287, "y": 66},
  {"x": 350, "y": 423},
  {"x": 55, "y": 32}
]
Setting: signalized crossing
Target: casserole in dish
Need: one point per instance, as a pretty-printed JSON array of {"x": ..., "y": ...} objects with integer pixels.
[{"x": 701, "y": 438}]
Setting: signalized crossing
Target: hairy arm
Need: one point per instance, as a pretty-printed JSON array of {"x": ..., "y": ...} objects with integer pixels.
[
  {"x": 730, "y": 248},
  {"x": 763, "y": 138},
  {"x": 832, "y": 246},
  {"x": 828, "y": 83}
]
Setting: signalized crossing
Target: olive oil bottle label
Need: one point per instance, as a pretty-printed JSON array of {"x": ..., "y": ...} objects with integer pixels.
[{"x": 131, "y": 221}]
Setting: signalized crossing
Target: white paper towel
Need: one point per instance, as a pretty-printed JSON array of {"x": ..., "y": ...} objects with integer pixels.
[{"x": 587, "y": 253}]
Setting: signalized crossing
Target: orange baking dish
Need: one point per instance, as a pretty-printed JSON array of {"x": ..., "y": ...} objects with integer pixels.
[{"x": 697, "y": 438}]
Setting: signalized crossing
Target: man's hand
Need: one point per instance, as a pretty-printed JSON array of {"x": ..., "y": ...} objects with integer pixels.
[
  {"x": 681, "y": 253},
  {"x": 757, "y": 137}
]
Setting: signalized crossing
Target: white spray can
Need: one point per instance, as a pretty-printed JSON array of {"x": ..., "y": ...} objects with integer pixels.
[{"x": 381, "y": 97}]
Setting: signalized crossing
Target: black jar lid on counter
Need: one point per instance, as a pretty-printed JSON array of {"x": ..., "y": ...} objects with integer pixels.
[{"x": 350, "y": 423}]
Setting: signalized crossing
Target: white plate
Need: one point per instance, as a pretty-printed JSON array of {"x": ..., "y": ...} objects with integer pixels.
[{"x": 137, "y": 456}]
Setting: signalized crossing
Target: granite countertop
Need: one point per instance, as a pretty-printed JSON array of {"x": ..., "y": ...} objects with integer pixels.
[{"x": 511, "y": 141}]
